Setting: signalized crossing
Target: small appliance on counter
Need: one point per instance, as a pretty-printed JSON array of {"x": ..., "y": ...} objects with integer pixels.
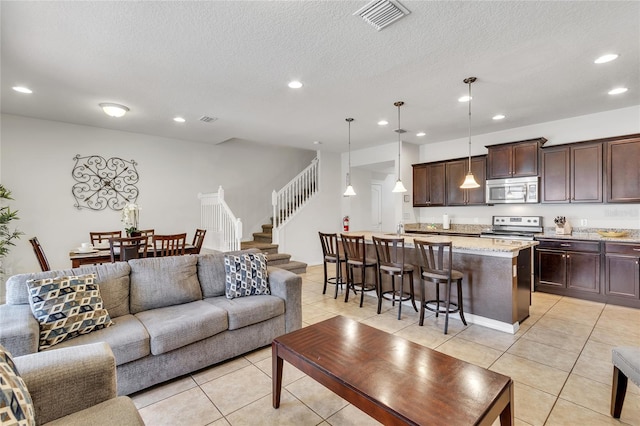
[{"x": 563, "y": 227}]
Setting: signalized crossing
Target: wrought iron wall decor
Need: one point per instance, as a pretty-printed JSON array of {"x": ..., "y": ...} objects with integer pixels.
[{"x": 102, "y": 183}]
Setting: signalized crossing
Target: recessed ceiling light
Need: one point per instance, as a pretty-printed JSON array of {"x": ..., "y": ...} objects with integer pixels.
[
  {"x": 114, "y": 110},
  {"x": 498, "y": 116},
  {"x": 179, "y": 119},
  {"x": 606, "y": 58},
  {"x": 22, "y": 89},
  {"x": 464, "y": 99},
  {"x": 618, "y": 90},
  {"x": 317, "y": 142},
  {"x": 383, "y": 123},
  {"x": 420, "y": 134},
  {"x": 295, "y": 84}
]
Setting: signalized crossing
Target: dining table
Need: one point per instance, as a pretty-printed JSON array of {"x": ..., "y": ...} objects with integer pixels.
[{"x": 100, "y": 253}]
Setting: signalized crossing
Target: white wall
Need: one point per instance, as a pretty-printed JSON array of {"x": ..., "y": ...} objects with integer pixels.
[{"x": 37, "y": 159}]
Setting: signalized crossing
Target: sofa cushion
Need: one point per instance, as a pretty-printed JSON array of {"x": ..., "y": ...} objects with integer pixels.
[
  {"x": 176, "y": 326},
  {"x": 163, "y": 281},
  {"x": 66, "y": 307},
  {"x": 246, "y": 275},
  {"x": 127, "y": 337},
  {"x": 113, "y": 279},
  {"x": 245, "y": 311},
  {"x": 16, "y": 406},
  {"x": 211, "y": 274}
]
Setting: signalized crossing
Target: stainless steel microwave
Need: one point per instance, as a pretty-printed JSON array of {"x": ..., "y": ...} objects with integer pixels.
[{"x": 512, "y": 190}]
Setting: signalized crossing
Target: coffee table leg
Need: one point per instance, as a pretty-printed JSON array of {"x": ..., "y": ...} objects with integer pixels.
[
  {"x": 506, "y": 417},
  {"x": 276, "y": 374}
]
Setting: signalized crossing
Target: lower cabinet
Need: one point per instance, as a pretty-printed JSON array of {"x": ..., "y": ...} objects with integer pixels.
[
  {"x": 605, "y": 272},
  {"x": 622, "y": 270}
]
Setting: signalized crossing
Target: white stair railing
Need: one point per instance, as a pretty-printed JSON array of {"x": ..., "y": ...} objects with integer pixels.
[
  {"x": 294, "y": 195},
  {"x": 224, "y": 230}
]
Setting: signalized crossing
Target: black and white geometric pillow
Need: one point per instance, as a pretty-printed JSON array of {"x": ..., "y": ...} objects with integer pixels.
[
  {"x": 16, "y": 406},
  {"x": 66, "y": 307},
  {"x": 246, "y": 275}
]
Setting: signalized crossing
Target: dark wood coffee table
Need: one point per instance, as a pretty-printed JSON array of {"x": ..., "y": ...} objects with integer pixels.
[{"x": 392, "y": 379}]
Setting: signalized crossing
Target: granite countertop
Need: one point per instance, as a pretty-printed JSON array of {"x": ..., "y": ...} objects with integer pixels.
[
  {"x": 472, "y": 245},
  {"x": 631, "y": 237}
]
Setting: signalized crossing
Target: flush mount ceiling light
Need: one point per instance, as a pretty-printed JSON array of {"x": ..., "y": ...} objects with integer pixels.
[
  {"x": 22, "y": 89},
  {"x": 618, "y": 90},
  {"x": 114, "y": 110},
  {"x": 179, "y": 119},
  {"x": 295, "y": 84},
  {"x": 469, "y": 180},
  {"x": 421, "y": 134},
  {"x": 399, "y": 187},
  {"x": 465, "y": 98},
  {"x": 606, "y": 58},
  {"x": 498, "y": 117},
  {"x": 383, "y": 123},
  {"x": 349, "y": 191}
]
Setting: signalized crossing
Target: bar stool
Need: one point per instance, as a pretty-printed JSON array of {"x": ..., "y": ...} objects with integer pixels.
[
  {"x": 356, "y": 257},
  {"x": 331, "y": 254},
  {"x": 436, "y": 270},
  {"x": 390, "y": 255}
]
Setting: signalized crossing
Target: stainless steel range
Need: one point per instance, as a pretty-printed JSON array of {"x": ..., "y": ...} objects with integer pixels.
[{"x": 514, "y": 227}]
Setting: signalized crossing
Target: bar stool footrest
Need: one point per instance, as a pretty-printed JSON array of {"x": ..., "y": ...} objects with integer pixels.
[
  {"x": 396, "y": 296},
  {"x": 453, "y": 307}
]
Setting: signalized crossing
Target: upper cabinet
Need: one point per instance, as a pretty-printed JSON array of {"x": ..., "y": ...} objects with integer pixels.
[
  {"x": 572, "y": 173},
  {"x": 456, "y": 171},
  {"x": 429, "y": 185},
  {"x": 622, "y": 169},
  {"x": 515, "y": 159}
]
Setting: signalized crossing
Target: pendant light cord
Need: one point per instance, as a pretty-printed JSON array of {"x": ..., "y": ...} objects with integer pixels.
[
  {"x": 470, "y": 81},
  {"x": 349, "y": 120}
]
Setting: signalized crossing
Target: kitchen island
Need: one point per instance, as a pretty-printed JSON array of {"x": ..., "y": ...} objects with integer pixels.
[{"x": 496, "y": 286}]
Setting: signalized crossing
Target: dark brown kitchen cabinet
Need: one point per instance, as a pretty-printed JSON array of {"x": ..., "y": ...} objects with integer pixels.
[
  {"x": 515, "y": 159},
  {"x": 568, "y": 267},
  {"x": 455, "y": 172},
  {"x": 572, "y": 173},
  {"x": 429, "y": 185},
  {"x": 622, "y": 169},
  {"x": 622, "y": 270}
]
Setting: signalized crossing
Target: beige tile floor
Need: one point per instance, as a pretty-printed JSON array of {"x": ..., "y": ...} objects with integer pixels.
[{"x": 560, "y": 361}]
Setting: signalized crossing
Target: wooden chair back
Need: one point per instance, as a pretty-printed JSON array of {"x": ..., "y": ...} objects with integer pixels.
[
  {"x": 98, "y": 237},
  {"x": 354, "y": 248},
  {"x": 390, "y": 253},
  {"x": 126, "y": 248},
  {"x": 198, "y": 239},
  {"x": 436, "y": 264},
  {"x": 149, "y": 234},
  {"x": 329, "y": 246},
  {"x": 169, "y": 245},
  {"x": 42, "y": 259}
]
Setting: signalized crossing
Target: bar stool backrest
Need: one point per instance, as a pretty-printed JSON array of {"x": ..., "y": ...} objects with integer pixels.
[
  {"x": 390, "y": 252},
  {"x": 433, "y": 259},
  {"x": 329, "y": 245},
  {"x": 354, "y": 248}
]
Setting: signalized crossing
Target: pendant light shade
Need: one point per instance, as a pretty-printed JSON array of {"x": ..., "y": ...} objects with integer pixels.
[
  {"x": 399, "y": 187},
  {"x": 349, "y": 191},
  {"x": 469, "y": 180}
]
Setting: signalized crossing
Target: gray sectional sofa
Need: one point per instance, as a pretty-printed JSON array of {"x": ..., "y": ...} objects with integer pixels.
[{"x": 170, "y": 314}]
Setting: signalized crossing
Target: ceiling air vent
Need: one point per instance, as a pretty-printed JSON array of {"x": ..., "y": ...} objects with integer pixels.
[
  {"x": 381, "y": 13},
  {"x": 207, "y": 119}
]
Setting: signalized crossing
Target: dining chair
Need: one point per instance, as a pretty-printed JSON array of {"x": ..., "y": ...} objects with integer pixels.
[
  {"x": 437, "y": 268},
  {"x": 42, "y": 259},
  {"x": 331, "y": 255},
  {"x": 356, "y": 258},
  {"x": 169, "y": 245},
  {"x": 126, "y": 248},
  {"x": 147, "y": 233},
  {"x": 390, "y": 253},
  {"x": 198, "y": 240},
  {"x": 98, "y": 237}
]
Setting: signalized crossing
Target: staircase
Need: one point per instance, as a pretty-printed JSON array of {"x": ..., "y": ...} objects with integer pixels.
[{"x": 263, "y": 242}]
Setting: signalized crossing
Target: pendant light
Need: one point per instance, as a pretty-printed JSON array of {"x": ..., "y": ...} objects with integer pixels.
[
  {"x": 399, "y": 186},
  {"x": 469, "y": 180},
  {"x": 349, "y": 191}
]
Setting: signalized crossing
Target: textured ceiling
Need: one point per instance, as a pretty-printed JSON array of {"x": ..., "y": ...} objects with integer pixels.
[{"x": 232, "y": 60}]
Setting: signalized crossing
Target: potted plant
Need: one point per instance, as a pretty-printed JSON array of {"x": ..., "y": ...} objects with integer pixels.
[
  {"x": 7, "y": 235},
  {"x": 130, "y": 218}
]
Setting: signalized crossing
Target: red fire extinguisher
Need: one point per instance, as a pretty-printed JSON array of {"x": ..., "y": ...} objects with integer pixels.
[{"x": 345, "y": 223}]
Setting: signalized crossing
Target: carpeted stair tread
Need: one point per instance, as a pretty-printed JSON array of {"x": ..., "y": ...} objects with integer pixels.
[
  {"x": 278, "y": 258},
  {"x": 293, "y": 266},
  {"x": 262, "y": 237},
  {"x": 268, "y": 248}
]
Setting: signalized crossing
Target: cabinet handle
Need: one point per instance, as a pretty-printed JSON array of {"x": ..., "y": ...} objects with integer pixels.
[
  {"x": 569, "y": 245},
  {"x": 636, "y": 249}
]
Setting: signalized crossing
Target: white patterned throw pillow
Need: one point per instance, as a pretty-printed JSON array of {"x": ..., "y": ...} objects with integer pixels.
[
  {"x": 246, "y": 275},
  {"x": 16, "y": 407},
  {"x": 66, "y": 307}
]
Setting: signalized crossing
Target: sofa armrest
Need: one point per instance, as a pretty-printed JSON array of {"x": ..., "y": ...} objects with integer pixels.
[
  {"x": 288, "y": 286},
  {"x": 64, "y": 381},
  {"x": 19, "y": 330}
]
